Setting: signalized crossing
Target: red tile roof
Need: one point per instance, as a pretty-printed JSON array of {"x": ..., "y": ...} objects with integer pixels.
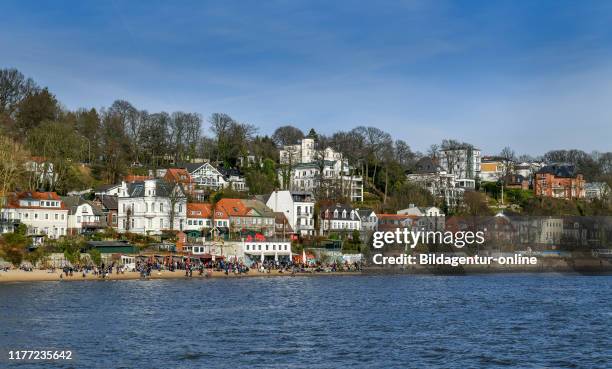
[
  {"x": 233, "y": 207},
  {"x": 135, "y": 178},
  {"x": 204, "y": 210},
  {"x": 179, "y": 175},
  {"x": 15, "y": 197}
]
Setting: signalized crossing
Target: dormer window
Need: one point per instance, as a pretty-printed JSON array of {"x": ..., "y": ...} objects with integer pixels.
[
  {"x": 343, "y": 213},
  {"x": 335, "y": 213}
]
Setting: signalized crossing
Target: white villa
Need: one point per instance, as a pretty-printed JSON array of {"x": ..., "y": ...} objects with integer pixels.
[{"x": 148, "y": 207}]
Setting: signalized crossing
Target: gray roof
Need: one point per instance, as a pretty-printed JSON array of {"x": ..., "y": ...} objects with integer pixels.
[
  {"x": 72, "y": 202},
  {"x": 190, "y": 167},
  {"x": 364, "y": 212},
  {"x": 110, "y": 202},
  {"x": 560, "y": 170},
  {"x": 162, "y": 188},
  {"x": 340, "y": 208}
]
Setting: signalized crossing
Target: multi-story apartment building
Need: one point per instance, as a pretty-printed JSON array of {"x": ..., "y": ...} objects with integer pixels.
[
  {"x": 559, "y": 181},
  {"x": 310, "y": 167},
  {"x": 44, "y": 214},
  {"x": 305, "y": 151},
  {"x": 463, "y": 162},
  {"x": 438, "y": 182},
  {"x": 151, "y": 206},
  {"x": 298, "y": 208},
  {"x": 339, "y": 218},
  {"x": 326, "y": 176}
]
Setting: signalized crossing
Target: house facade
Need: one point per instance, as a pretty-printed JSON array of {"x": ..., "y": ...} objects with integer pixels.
[
  {"x": 150, "y": 207},
  {"x": 206, "y": 176},
  {"x": 200, "y": 215},
  {"x": 298, "y": 208},
  {"x": 327, "y": 176},
  {"x": 248, "y": 216},
  {"x": 428, "y": 218},
  {"x": 43, "y": 213},
  {"x": 305, "y": 151},
  {"x": 369, "y": 220},
  {"x": 463, "y": 162},
  {"x": 596, "y": 190},
  {"x": 437, "y": 181},
  {"x": 339, "y": 218},
  {"x": 491, "y": 169},
  {"x": 83, "y": 216},
  {"x": 559, "y": 181}
]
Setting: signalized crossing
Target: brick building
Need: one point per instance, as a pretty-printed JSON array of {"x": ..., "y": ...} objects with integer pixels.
[{"x": 559, "y": 181}]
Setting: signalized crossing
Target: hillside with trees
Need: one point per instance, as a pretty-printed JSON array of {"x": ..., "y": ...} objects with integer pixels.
[{"x": 88, "y": 147}]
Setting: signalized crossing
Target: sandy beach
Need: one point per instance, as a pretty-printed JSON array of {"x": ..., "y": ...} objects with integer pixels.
[{"x": 44, "y": 275}]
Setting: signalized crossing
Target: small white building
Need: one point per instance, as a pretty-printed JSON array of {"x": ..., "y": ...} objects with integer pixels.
[
  {"x": 369, "y": 220},
  {"x": 261, "y": 251},
  {"x": 83, "y": 216},
  {"x": 107, "y": 190},
  {"x": 339, "y": 218},
  {"x": 428, "y": 218},
  {"x": 596, "y": 190},
  {"x": 298, "y": 208}
]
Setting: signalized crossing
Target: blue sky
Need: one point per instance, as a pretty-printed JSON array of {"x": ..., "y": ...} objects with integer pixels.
[{"x": 535, "y": 75}]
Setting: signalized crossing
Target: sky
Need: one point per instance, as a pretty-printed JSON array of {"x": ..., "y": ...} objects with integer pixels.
[{"x": 532, "y": 75}]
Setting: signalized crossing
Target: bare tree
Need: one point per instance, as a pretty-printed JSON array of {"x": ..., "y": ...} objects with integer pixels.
[
  {"x": 508, "y": 156},
  {"x": 13, "y": 88},
  {"x": 287, "y": 135}
]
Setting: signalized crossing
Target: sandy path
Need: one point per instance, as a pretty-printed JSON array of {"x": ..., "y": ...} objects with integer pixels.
[{"x": 43, "y": 275}]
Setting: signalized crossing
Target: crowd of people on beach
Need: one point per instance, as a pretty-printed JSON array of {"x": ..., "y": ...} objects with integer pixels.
[
  {"x": 102, "y": 271},
  {"x": 145, "y": 266}
]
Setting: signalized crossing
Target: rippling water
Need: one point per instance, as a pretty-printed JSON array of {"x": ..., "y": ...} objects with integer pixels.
[{"x": 527, "y": 321}]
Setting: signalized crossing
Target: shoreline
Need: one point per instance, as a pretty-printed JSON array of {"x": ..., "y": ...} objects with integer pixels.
[
  {"x": 19, "y": 276},
  {"x": 16, "y": 275}
]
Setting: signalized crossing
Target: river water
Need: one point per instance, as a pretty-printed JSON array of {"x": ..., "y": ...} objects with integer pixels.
[{"x": 478, "y": 321}]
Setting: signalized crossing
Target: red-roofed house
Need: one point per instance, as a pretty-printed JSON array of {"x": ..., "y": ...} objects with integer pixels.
[
  {"x": 390, "y": 222},
  {"x": 44, "y": 213},
  {"x": 182, "y": 176},
  {"x": 248, "y": 216},
  {"x": 199, "y": 216}
]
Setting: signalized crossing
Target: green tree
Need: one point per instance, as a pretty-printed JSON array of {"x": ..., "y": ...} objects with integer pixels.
[
  {"x": 34, "y": 109},
  {"x": 13, "y": 246},
  {"x": 96, "y": 256},
  {"x": 61, "y": 145}
]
